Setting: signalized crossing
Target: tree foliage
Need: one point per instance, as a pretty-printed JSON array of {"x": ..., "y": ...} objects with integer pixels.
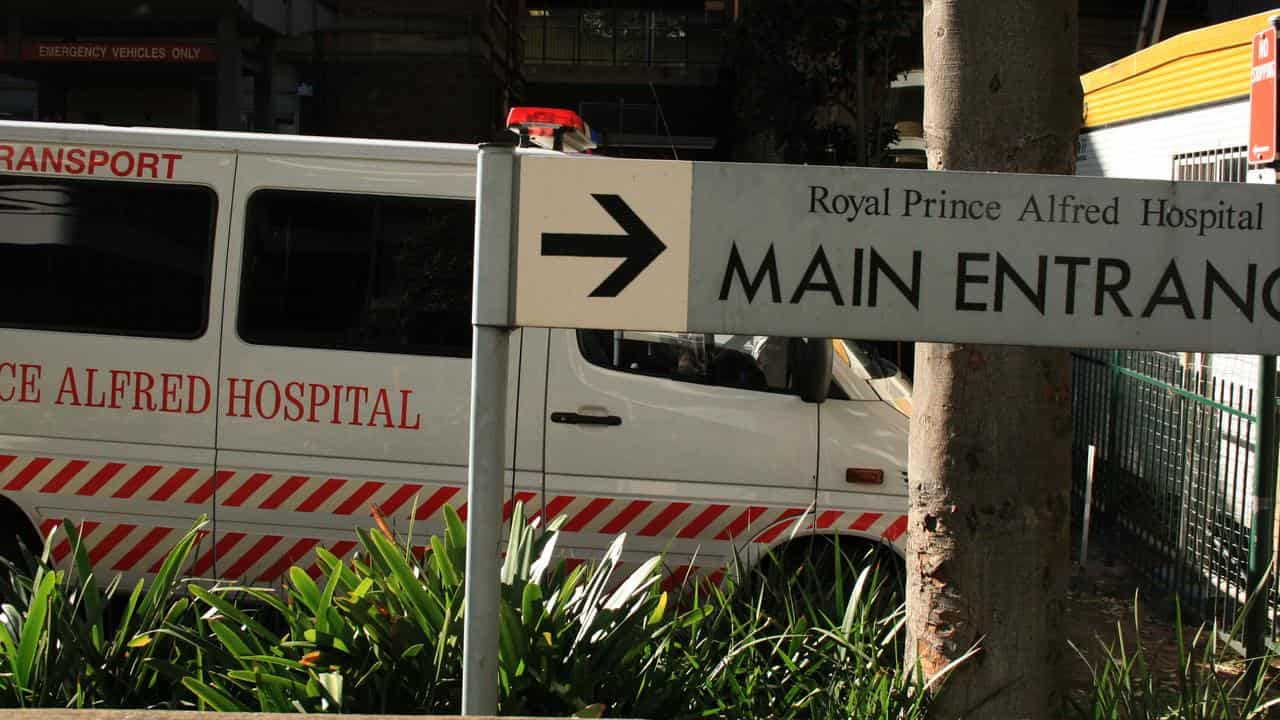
[{"x": 796, "y": 72}]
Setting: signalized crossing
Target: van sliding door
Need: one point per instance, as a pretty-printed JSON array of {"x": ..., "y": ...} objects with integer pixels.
[{"x": 345, "y": 358}]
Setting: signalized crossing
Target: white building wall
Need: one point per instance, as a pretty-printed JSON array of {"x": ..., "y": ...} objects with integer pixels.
[{"x": 1144, "y": 149}]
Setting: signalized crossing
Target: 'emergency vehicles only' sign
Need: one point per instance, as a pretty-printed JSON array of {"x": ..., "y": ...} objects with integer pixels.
[{"x": 897, "y": 254}]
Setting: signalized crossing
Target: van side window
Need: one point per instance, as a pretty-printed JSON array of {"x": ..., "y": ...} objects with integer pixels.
[
  {"x": 747, "y": 362},
  {"x": 357, "y": 272},
  {"x": 106, "y": 257}
]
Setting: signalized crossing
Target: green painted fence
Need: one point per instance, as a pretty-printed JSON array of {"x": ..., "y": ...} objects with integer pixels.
[{"x": 1173, "y": 474}]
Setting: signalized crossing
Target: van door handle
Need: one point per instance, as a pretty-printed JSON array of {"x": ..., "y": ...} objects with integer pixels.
[{"x": 572, "y": 418}]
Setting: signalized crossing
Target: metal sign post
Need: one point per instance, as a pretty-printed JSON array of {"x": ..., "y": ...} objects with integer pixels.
[
  {"x": 1262, "y": 141},
  {"x": 491, "y": 320}
]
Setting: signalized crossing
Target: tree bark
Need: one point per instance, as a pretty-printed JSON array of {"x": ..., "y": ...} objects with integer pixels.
[{"x": 990, "y": 454}]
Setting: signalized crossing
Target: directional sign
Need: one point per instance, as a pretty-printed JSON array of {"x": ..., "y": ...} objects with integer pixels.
[
  {"x": 612, "y": 234},
  {"x": 897, "y": 254},
  {"x": 638, "y": 246}
]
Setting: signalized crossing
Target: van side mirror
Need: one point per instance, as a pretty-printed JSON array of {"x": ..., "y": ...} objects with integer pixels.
[{"x": 812, "y": 376}]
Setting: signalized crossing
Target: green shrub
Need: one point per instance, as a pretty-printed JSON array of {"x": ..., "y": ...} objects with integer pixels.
[
  {"x": 68, "y": 642},
  {"x": 1125, "y": 688},
  {"x": 381, "y": 633},
  {"x": 792, "y": 650}
]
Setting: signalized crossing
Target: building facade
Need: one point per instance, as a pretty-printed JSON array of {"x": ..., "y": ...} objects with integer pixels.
[
  {"x": 647, "y": 74},
  {"x": 374, "y": 68}
]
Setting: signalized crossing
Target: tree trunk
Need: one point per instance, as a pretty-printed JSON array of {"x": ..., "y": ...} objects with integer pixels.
[{"x": 990, "y": 457}]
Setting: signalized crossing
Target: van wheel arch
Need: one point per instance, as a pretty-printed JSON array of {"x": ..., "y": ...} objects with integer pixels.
[
  {"x": 20, "y": 531},
  {"x": 816, "y": 553}
]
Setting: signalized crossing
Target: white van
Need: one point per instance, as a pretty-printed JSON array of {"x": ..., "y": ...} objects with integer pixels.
[{"x": 274, "y": 331}]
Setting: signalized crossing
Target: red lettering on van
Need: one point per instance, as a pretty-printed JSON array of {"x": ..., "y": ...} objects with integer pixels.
[
  {"x": 117, "y": 389},
  {"x": 337, "y": 404},
  {"x": 13, "y": 381},
  {"x": 233, "y": 396},
  {"x": 381, "y": 408},
  {"x": 68, "y": 387},
  {"x": 30, "y": 376},
  {"x": 142, "y": 384},
  {"x": 171, "y": 158},
  {"x": 97, "y": 159},
  {"x": 300, "y": 401},
  {"x": 272, "y": 402},
  {"x": 170, "y": 387},
  {"x": 90, "y": 374},
  {"x": 206, "y": 395},
  {"x": 316, "y": 402},
  {"x": 404, "y": 412},
  {"x": 51, "y": 159},
  {"x": 148, "y": 162},
  {"x": 119, "y": 382},
  {"x": 293, "y": 396},
  {"x": 357, "y": 394},
  {"x": 75, "y": 161},
  {"x": 89, "y": 161},
  {"x": 21, "y": 385},
  {"x": 27, "y": 160},
  {"x": 123, "y": 169}
]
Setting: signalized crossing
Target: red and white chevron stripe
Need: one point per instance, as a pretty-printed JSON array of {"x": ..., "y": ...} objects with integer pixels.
[
  {"x": 264, "y": 558},
  {"x": 122, "y": 547},
  {"x": 107, "y": 479},
  {"x": 888, "y": 527},
  {"x": 717, "y": 521},
  {"x": 330, "y": 495}
]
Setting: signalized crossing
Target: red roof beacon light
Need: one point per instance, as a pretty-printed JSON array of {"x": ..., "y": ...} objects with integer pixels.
[{"x": 551, "y": 128}]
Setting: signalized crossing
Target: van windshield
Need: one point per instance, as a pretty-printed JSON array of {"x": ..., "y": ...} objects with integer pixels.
[{"x": 867, "y": 355}]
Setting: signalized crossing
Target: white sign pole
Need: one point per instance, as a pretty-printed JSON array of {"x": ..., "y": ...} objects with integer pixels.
[
  {"x": 491, "y": 320},
  {"x": 1088, "y": 507}
]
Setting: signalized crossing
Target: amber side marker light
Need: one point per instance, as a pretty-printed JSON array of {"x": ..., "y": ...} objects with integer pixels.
[{"x": 864, "y": 476}]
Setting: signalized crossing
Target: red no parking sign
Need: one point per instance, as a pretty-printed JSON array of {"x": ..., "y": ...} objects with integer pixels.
[{"x": 1262, "y": 98}]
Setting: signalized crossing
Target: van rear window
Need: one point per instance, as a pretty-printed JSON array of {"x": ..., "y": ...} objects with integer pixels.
[
  {"x": 357, "y": 272},
  {"x": 107, "y": 257}
]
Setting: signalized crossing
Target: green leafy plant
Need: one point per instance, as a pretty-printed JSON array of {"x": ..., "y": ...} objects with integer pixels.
[
  {"x": 68, "y": 642},
  {"x": 788, "y": 648},
  {"x": 372, "y": 630},
  {"x": 1125, "y": 687},
  {"x": 381, "y": 633}
]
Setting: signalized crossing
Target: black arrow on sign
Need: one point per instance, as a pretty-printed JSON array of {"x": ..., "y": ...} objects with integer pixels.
[{"x": 639, "y": 245}]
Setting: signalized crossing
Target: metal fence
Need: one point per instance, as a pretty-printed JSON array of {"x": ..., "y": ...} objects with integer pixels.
[
  {"x": 1173, "y": 473},
  {"x": 1176, "y": 455}
]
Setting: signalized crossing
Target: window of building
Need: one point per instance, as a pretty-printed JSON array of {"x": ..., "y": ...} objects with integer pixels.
[
  {"x": 17, "y": 98},
  {"x": 602, "y": 32},
  {"x": 358, "y": 272},
  {"x": 748, "y": 362},
  {"x": 105, "y": 257},
  {"x": 1229, "y": 164}
]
